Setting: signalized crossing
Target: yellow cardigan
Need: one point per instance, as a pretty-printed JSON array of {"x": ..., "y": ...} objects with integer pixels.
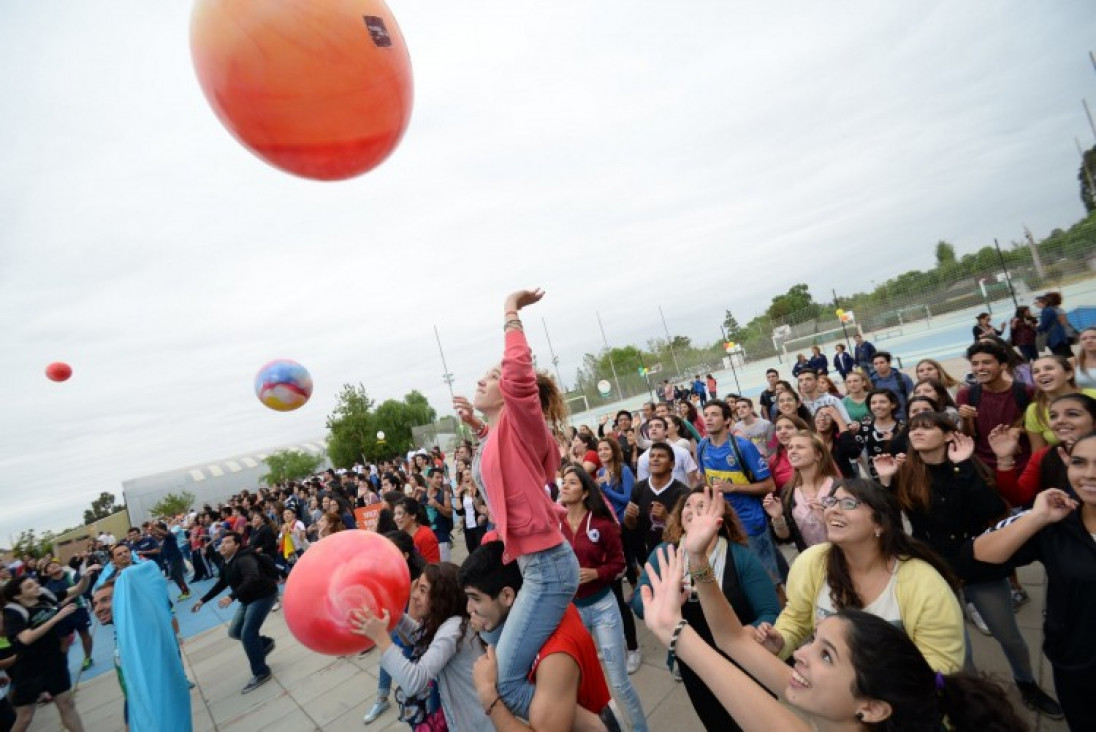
[{"x": 931, "y": 614}]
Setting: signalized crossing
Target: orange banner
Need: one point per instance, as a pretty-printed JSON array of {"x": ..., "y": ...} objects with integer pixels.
[{"x": 367, "y": 517}]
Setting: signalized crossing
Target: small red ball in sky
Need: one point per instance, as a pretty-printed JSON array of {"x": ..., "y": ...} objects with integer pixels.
[{"x": 58, "y": 371}]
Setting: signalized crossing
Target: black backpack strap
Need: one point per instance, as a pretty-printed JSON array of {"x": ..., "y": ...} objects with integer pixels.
[
  {"x": 1019, "y": 393},
  {"x": 974, "y": 396}
]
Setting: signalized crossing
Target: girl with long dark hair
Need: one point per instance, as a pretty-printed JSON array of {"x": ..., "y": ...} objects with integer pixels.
[
  {"x": 444, "y": 648},
  {"x": 839, "y": 440},
  {"x": 780, "y": 467},
  {"x": 592, "y": 529},
  {"x": 875, "y": 436},
  {"x": 616, "y": 480},
  {"x": 1058, "y": 532},
  {"x": 949, "y": 499},
  {"x": 858, "y": 672},
  {"x": 1070, "y": 417},
  {"x": 870, "y": 563}
]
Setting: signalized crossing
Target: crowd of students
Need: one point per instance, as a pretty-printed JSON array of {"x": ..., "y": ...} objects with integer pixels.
[{"x": 675, "y": 515}]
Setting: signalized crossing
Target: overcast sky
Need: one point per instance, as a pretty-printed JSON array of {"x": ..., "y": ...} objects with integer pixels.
[{"x": 621, "y": 155}]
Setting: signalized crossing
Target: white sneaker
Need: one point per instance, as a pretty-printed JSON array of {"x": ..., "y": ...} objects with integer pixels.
[
  {"x": 976, "y": 619},
  {"x": 635, "y": 658},
  {"x": 379, "y": 708}
]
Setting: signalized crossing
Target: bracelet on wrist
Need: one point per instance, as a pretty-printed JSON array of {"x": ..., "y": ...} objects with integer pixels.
[
  {"x": 491, "y": 708},
  {"x": 702, "y": 576},
  {"x": 511, "y": 312},
  {"x": 671, "y": 656},
  {"x": 513, "y": 324}
]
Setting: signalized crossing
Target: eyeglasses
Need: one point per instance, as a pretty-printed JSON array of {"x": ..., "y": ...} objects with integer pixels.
[{"x": 846, "y": 504}]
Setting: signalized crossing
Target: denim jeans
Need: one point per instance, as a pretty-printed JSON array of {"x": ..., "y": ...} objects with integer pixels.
[
  {"x": 763, "y": 548},
  {"x": 549, "y": 582},
  {"x": 245, "y": 628},
  {"x": 604, "y": 622},
  {"x": 993, "y": 600}
]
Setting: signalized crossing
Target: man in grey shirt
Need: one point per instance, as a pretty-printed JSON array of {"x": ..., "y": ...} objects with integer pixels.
[
  {"x": 753, "y": 428},
  {"x": 812, "y": 400}
]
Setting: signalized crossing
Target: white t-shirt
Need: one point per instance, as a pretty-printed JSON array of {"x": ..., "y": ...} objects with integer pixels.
[{"x": 683, "y": 465}]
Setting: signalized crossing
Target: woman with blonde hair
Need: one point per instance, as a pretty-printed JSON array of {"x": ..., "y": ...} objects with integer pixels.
[
  {"x": 1086, "y": 359},
  {"x": 797, "y": 517},
  {"x": 929, "y": 368},
  {"x": 857, "y": 386}
]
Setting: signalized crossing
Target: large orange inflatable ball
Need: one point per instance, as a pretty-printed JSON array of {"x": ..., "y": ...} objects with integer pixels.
[
  {"x": 58, "y": 371},
  {"x": 318, "y": 88},
  {"x": 337, "y": 575}
]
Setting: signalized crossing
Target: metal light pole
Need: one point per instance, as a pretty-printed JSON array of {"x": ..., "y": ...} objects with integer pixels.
[
  {"x": 609, "y": 351},
  {"x": 1008, "y": 278},
  {"x": 555, "y": 359},
  {"x": 447, "y": 378},
  {"x": 734, "y": 371},
  {"x": 669, "y": 342},
  {"x": 837, "y": 305}
]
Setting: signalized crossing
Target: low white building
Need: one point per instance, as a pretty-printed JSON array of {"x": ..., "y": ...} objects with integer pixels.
[{"x": 210, "y": 482}]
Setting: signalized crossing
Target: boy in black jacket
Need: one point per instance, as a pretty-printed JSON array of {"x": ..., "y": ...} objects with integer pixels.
[{"x": 257, "y": 590}]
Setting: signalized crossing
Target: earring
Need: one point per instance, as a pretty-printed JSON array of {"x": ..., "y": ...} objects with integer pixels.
[
  {"x": 859, "y": 716},
  {"x": 878, "y": 534}
]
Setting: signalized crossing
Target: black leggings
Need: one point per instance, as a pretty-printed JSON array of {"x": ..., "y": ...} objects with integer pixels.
[
  {"x": 1074, "y": 689},
  {"x": 625, "y": 615},
  {"x": 473, "y": 537}
]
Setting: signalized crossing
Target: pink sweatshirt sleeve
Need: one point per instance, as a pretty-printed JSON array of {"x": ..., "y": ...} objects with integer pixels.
[{"x": 519, "y": 392}]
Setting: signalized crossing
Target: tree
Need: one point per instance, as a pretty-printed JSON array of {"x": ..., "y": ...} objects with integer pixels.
[
  {"x": 797, "y": 302},
  {"x": 945, "y": 255},
  {"x": 101, "y": 507},
  {"x": 290, "y": 465},
  {"x": 354, "y": 424},
  {"x": 734, "y": 331},
  {"x": 1087, "y": 176},
  {"x": 173, "y": 504}
]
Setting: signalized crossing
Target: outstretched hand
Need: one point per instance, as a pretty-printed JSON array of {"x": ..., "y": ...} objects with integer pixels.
[
  {"x": 1004, "y": 441},
  {"x": 466, "y": 412},
  {"x": 662, "y": 600},
  {"x": 523, "y": 298},
  {"x": 707, "y": 520}
]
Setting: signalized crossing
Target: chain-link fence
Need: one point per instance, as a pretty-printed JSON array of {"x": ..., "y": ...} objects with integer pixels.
[{"x": 904, "y": 304}]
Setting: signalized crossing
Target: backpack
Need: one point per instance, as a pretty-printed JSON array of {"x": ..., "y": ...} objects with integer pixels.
[
  {"x": 746, "y": 470},
  {"x": 1019, "y": 394},
  {"x": 267, "y": 567}
]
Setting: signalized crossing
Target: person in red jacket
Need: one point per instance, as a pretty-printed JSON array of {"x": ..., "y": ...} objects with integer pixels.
[
  {"x": 519, "y": 458},
  {"x": 592, "y": 529}
]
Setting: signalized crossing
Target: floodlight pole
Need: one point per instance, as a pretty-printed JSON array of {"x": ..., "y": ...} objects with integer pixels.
[
  {"x": 1008, "y": 278},
  {"x": 730, "y": 356},
  {"x": 669, "y": 342},
  {"x": 555, "y": 359},
  {"x": 837, "y": 306},
  {"x": 609, "y": 352}
]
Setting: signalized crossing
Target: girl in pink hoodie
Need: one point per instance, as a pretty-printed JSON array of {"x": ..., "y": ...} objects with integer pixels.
[{"x": 518, "y": 460}]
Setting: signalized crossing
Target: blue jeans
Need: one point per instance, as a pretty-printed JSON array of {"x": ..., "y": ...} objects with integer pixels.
[
  {"x": 763, "y": 548},
  {"x": 993, "y": 600},
  {"x": 245, "y": 628},
  {"x": 549, "y": 582},
  {"x": 605, "y": 624}
]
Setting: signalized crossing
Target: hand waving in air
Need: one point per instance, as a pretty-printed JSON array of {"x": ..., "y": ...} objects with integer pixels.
[{"x": 960, "y": 448}]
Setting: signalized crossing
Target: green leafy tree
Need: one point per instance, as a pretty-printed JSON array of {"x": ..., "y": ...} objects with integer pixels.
[
  {"x": 797, "y": 302},
  {"x": 734, "y": 331},
  {"x": 1087, "y": 177},
  {"x": 354, "y": 423},
  {"x": 101, "y": 507},
  {"x": 173, "y": 504},
  {"x": 27, "y": 543},
  {"x": 945, "y": 254},
  {"x": 290, "y": 465}
]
